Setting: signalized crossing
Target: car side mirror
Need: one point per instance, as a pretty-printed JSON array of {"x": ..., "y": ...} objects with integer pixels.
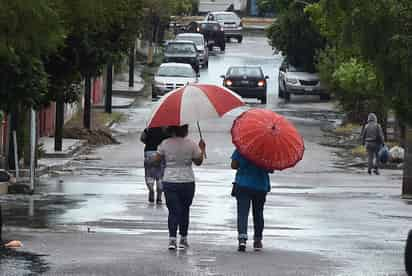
[
  {"x": 266, "y": 77},
  {"x": 222, "y": 76}
]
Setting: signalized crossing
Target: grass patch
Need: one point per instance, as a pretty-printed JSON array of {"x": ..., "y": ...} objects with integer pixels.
[
  {"x": 359, "y": 151},
  {"x": 346, "y": 129},
  {"x": 106, "y": 118},
  {"x": 99, "y": 118}
]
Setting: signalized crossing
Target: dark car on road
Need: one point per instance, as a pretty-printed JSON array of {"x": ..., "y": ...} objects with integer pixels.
[
  {"x": 246, "y": 81},
  {"x": 212, "y": 32},
  {"x": 182, "y": 52},
  {"x": 231, "y": 23}
]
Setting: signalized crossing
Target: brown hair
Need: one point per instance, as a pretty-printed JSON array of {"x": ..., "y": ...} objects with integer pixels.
[{"x": 179, "y": 131}]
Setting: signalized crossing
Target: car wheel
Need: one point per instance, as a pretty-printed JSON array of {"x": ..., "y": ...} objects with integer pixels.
[
  {"x": 206, "y": 64},
  {"x": 239, "y": 39},
  {"x": 280, "y": 92},
  {"x": 223, "y": 47},
  {"x": 263, "y": 100},
  {"x": 287, "y": 96},
  {"x": 154, "y": 95},
  {"x": 210, "y": 47},
  {"x": 324, "y": 97}
]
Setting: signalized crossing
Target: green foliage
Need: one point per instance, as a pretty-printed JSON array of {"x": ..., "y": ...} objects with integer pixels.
[
  {"x": 109, "y": 29},
  {"x": 266, "y": 6},
  {"x": 375, "y": 34},
  {"x": 294, "y": 34},
  {"x": 357, "y": 78},
  {"x": 23, "y": 80},
  {"x": 157, "y": 15}
]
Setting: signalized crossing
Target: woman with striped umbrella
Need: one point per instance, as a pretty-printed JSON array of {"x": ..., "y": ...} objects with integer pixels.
[{"x": 177, "y": 109}]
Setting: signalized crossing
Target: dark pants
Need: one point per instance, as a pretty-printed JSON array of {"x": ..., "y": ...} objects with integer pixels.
[
  {"x": 244, "y": 198},
  {"x": 179, "y": 197},
  {"x": 373, "y": 155}
]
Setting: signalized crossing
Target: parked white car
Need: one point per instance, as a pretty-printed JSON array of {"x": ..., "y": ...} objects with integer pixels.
[
  {"x": 295, "y": 80},
  {"x": 199, "y": 40},
  {"x": 171, "y": 76}
]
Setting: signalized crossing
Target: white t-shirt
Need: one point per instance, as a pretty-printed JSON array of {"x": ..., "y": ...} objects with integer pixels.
[{"x": 178, "y": 154}]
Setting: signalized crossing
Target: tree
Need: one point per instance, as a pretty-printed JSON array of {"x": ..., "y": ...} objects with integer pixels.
[
  {"x": 99, "y": 32},
  {"x": 157, "y": 16},
  {"x": 294, "y": 34},
  {"x": 21, "y": 47},
  {"x": 378, "y": 34},
  {"x": 23, "y": 81}
]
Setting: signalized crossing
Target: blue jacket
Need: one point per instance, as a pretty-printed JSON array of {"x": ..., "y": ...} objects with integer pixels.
[{"x": 249, "y": 175}]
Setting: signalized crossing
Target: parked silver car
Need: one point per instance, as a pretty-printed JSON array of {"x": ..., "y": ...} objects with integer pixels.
[
  {"x": 199, "y": 40},
  {"x": 231, "y": 23},
  {"x": 295, "y": 80},
  {"x": 171, "y": 76}
]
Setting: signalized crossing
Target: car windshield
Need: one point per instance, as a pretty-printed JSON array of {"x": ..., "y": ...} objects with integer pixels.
[
  {"x": 248, "y": 71},
  {"x": 175, "y": 48},
  {"x": 293, "y": 68},
  {"x": 176, "y": 71},
  {"x": 196, "y": 39},
  {"x": 209, "y": 26},
  {"x": 226, "y": 17}
]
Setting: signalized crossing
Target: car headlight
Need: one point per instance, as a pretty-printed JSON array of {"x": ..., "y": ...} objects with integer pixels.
[
  {"x": 228, "y": 82},
  {"x": 291, "y": 80}
]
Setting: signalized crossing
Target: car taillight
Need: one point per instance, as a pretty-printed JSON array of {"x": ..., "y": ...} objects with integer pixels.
[
  {"x": 261, "y": 83},
  {"x": 228, "y": 82}
]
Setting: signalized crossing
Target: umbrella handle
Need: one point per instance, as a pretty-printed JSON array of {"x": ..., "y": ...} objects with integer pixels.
[{"x": 200, "y": 134}]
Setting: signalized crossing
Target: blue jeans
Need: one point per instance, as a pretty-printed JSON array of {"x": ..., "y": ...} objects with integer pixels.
[
  {"x": 244, "y": 197},
  {"x": 179, "y": 197}
]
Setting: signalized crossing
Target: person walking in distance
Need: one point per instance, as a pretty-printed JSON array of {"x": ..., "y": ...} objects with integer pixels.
[
  {"x": 373, "y": 139},
  {"x": 251, "y": 185},
  {"x": 152, "y": 137},
  {"x": 179, "y": 152}
]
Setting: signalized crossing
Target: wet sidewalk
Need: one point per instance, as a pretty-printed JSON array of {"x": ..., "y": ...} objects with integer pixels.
[{"x": 121, "y": 84}]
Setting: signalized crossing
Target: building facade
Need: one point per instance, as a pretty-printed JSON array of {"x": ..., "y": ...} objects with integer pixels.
[{"x": 206, "y": 6}]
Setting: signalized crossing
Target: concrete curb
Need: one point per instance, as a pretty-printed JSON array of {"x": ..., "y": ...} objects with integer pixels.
[
  {"x": 128, "y": 93},
  {"x": 72, "y": 150},
  {"x": 125, "y": 106}
]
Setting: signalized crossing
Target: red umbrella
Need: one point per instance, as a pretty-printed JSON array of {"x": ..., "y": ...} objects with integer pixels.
[
  {"x": 267, "y": 139},
  {"x": 192, "y": 103}
]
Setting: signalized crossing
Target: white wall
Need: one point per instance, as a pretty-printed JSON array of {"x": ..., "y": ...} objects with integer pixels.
[{"x": 221, "y": 5}]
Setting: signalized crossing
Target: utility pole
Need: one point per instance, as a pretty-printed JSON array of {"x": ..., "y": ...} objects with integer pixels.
[
  {"x": 407, "y": 170},
  {"x": 10, "y": 148},
  {"x": 58, "y": 133},
  {"x": 32, "y": 148},
  {"x": 87, "y": 102},
  {"x": 109, "y": 87},
  {"x": 131, "y": 65}
]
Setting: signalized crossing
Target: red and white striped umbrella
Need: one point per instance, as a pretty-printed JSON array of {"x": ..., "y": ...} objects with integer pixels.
[{"x": 192, "y": 103}]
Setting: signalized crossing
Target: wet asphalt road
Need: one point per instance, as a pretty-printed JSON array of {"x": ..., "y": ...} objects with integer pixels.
[{"x": 321, "y": 218}]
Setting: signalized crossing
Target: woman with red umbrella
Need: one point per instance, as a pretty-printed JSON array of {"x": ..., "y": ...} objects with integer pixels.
[
  {"x": 265, "y": 141},
  {"x": 252, "y": 185}
]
